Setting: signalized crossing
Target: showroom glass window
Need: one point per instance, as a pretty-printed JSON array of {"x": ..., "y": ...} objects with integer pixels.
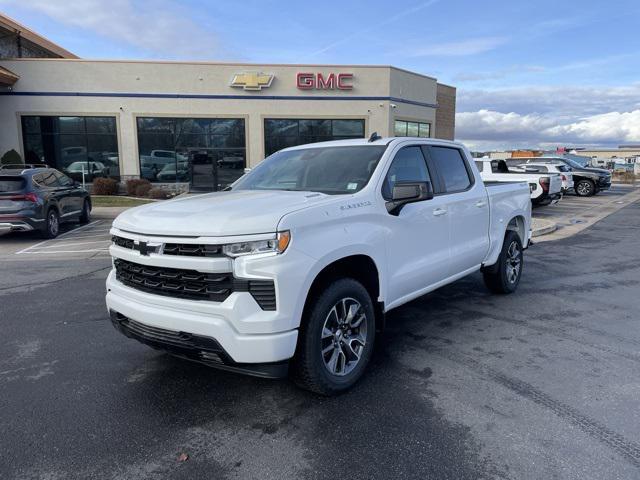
[
  {"x": 209, "y": 152},
  {"x": 73, "y": 144},
  {"x": 281, "y": 133},
  {"x": 404, "y": 128}
]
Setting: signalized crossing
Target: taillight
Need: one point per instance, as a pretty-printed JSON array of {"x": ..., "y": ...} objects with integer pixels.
[
  {"x": 29, "y": 197},
  {"x": 544, "y": 183}
]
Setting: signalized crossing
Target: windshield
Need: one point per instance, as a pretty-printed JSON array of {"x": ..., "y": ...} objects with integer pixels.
[
  {"x": 573, "y": 163},
  {"x": 331, "y": 170}
]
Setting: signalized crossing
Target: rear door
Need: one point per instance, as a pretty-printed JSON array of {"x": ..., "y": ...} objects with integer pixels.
[
  {"x": 50, "y": 185},
  {"x": 73, "y": 195},
  {"x": 467, "y": 206},
  {"x": 417, "y": 240}
]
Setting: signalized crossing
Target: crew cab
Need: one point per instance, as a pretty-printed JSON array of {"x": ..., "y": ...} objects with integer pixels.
[
  {"x": 545, "y": 188},
  {"x": 294, "y": 267}
]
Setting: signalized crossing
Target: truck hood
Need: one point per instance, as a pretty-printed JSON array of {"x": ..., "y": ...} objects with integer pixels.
[{"x": 242, "y": 212}]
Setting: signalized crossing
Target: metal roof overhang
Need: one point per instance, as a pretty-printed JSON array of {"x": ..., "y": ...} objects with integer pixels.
[{"x": 7, "y": 77}]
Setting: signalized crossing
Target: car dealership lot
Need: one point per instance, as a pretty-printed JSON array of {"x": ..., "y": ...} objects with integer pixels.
[{"x": 540, "y": 384}]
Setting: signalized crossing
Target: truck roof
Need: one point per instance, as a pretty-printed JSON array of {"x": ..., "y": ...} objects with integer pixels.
[{"x": 379, "y": 141}]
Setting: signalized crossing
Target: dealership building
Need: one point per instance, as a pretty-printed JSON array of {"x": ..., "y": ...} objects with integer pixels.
[{"x": 196, "y": 125}]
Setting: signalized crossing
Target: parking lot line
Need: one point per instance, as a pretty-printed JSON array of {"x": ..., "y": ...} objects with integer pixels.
[
  {"x": 71, "y": 244},
  {"x": 69, "y": 251}
]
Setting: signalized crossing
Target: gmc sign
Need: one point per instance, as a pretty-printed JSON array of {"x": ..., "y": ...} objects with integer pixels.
[{"x": 319, "y": 81}]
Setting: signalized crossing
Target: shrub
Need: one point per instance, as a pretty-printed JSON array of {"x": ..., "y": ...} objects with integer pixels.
[
  {"x": 105, "y": 186},
  {"x": 11, "y": 158},
  {"x": 158, "y": 193},
  {"x": 132, "y": 185},
  {"x": 143, "y": 189}
]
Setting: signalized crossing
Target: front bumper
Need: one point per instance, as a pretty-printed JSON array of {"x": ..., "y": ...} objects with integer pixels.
[
  {"x": 604, "y": 183},
  {"x": 197, "y": 348},
  {"x": 215, "y": 321}
]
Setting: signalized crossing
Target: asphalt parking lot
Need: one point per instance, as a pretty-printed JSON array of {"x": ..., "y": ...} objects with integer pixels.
[{"x": 464, "y": 385}]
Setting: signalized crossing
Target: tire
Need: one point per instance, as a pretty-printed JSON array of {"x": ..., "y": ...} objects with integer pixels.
[
  {"x": 331, "y": 357},
  {"x": 52, "y": 224},
  {"x": 85, "y": 216},
  {"x": 585, "y": 188},
  {"x": 504, "y": 276}
]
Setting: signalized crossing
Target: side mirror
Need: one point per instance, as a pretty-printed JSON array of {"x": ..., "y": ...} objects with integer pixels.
[{"x": 408, "y": 192}]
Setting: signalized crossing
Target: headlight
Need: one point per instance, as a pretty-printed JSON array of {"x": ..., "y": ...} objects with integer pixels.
[{"x": 274, "y": 245}]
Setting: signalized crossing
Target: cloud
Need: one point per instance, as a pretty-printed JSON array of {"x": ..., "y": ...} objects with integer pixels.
[
  {"x": 163, "y": 28},
  {"x": 489, "y": 129},
  {"x": 388, "y": 21},
  {"x": 563, "y": 102},
  {"x": 470, "y": 46}
]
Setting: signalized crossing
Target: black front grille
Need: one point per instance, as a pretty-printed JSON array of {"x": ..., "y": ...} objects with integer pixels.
[
  {"x": 191, "y": 284},
  {"x": 122, "y": 242},
  {"x": 184, "y": 249},
  {"x": 192, "y": 250}
]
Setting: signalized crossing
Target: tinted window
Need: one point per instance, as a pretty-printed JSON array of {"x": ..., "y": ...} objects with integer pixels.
[
  {"x": 67, "y": 143},
  {"x": 11, "y": 184},
  {"x": 48, "y": 179},
  {"x": 281, "y": 133},
  {"x": 403, "y": 128},
  {"x": 208, "y": 152},
  {"x": 407, "y": 166},
  {"x": 451, "y": 167},
  {"x": 480, "y": 166},
  {"x": 63, "y": 180}
]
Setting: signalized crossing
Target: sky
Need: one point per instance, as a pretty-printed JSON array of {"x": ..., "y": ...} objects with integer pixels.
[{"x": 536, "y": 74}]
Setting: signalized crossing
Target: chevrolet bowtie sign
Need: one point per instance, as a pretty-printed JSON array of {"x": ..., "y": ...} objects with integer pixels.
[{"x": 252, "y": 80}]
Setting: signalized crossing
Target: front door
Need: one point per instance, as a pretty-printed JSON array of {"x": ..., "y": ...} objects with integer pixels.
[{"x": 417, "y": 241}]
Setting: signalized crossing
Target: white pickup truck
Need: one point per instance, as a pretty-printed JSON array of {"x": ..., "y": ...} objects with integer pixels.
[
  {"x": 545, "y": 188},
  {"x": 294, "y": 268}
]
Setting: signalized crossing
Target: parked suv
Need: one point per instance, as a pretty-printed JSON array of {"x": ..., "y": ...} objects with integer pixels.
[
  {"x": 587, "y": 181},
  {"x": 40, "y": 198},
  {"x": 298, "y": 262}
]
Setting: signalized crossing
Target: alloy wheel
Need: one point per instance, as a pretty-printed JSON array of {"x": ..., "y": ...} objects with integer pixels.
[
  {"x": 514, "y": 262},
  {"x": 584, "y": 188},
  {"x": 343, "y": 337},
  {"x": 54, "y": 224}
]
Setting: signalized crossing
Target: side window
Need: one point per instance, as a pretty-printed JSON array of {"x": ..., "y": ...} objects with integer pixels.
[
  {"x": 480, "y": 166},
  {"x": 37, "y": 180},
  {"x": 452, "y": 168},
  {"x": 63, "y": 180},
  {"x": 49, "y": 179},
  {"x": 407, "y": 166}
]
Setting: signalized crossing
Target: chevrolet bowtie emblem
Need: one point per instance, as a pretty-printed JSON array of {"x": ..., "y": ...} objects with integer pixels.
[{"x": 252, "y": 80}]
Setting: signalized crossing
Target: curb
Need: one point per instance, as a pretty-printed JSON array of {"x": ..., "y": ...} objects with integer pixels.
[{"x": 542, "y": 227}]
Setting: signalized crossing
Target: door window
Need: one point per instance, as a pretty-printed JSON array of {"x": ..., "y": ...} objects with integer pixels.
[
  {"x": 63, "y": 179},
  {"x": 48, "y": 179},
  {"x": 407, "y": 166},
  {"x": 452, "y": 168}
]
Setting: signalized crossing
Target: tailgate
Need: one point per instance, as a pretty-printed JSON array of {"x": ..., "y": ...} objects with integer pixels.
[{"x": 555, "y": 184}]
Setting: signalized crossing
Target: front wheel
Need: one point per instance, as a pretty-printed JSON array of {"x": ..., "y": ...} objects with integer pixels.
[
  {"x": 504, "y": 276},
  {"x": 585, "y": 188},
  {"x": 85, "y": 215},
  {"x": 336, "y": 339}
]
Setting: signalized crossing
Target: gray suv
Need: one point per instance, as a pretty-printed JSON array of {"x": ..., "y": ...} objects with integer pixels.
[{"x": 40, "y": 198}]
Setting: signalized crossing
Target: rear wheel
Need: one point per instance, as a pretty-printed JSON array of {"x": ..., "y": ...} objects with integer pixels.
[
  {"x": 336, "y": 339},
  {"x": 585, "y": 188},
  {"x": 52, "y": 224},
  {"x": 504, "y": 276},
  {"x": 85, "y": 216}
]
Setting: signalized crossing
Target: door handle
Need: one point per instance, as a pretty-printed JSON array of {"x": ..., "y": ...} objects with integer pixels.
[
  {"x": 439, "y": 211},
  {"x": 480, "y": 203}
]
